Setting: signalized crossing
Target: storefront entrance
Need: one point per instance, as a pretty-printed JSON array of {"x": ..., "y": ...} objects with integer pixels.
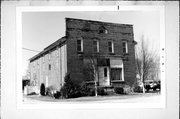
[{"x": 104, "y": 78}]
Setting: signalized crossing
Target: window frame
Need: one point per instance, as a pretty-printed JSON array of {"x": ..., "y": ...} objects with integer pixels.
[
  {"x": 125, "y": 47},
  {"x": 81, "y": 45},
  {"x": 112, "y": 46},
  {"x": 96, "y": 46},
  {"x": 49, "y": 67}
]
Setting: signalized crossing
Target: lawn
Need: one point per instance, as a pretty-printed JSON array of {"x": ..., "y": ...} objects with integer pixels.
[{"x": 34, "y": 98}]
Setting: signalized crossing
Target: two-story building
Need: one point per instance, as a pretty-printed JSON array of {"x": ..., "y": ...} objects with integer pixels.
[{"x": 110, "y": 47}]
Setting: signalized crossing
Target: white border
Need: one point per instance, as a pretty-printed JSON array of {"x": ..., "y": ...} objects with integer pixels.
[{"x": 59, "y": 105}]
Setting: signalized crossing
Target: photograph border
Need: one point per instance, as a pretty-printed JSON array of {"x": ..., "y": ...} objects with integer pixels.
[{"x": 59, "y": 105}]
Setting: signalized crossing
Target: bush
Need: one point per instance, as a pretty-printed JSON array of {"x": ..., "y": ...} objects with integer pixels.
[
  {"x": 119, "y": 90},
  {"x": 100, "y": 91},
  {"x": 57, "y": 95},
  {"x": 70, "y": 90},
  {"x": 138, "y": 89},
  {"x": 50, "y": 91},
  {"x": 84, "y": 89},
  {"x": 42, "y": 89},
  {"x": 127, "y": 89}
]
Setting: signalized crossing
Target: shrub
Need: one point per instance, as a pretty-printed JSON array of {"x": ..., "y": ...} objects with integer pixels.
[
  {"x": 91, "y": 92},
  {"x": 127, "y": 89},
  {"x": 50, "y": 91},
  {"x": 119, "y": 90},
  {"x": 84, "y": 90},
  {"x": 70, "y": 90},
  {"x": 138, "y": 89},
  {"x": 101, "y": 91},
  {"x": 42, "y": 89},
  {"x": 57, "y": 95}
]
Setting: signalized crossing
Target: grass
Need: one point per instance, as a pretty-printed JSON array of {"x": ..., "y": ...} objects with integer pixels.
[{"x": 89, "y": 98}]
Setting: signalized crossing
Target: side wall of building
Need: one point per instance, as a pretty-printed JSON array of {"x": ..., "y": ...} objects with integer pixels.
[
  {"x": 90, "y": 30},
  {"x": 50, "y": 68}
]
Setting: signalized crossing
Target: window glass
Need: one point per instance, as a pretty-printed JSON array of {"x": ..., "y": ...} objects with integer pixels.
[
  {"x": 116, "y": 74},
  {"x": 110, "y": 47},
  {"x": 49, "y": 67},
  {"x": 125, "y": 47},
  {"x": 96, "y": 45},
  {"x": 79, "y": 45},
  {"x": 105, "y": 72}
]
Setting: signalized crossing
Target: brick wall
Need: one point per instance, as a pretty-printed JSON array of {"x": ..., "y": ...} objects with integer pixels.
[{"x": 89, "y": 30}]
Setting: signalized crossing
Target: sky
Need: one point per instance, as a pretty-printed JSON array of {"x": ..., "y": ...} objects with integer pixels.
[{"x": 40, "y": 29}]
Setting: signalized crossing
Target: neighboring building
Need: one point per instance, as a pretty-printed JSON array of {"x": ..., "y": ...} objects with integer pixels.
[{"x": 110, "y": 45}]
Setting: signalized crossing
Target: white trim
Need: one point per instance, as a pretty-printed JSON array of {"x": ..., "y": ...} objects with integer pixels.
[
  {"x": 97, "y": 45},
  {"x": 81, "y": 44},
  {"x": 112, "y": 46},
  {"x": 119, "y": 66},
  {"x": 126, "y": 45}
]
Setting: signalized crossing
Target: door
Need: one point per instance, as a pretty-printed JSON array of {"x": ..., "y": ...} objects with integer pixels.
[{"x": 104, "y": 79}]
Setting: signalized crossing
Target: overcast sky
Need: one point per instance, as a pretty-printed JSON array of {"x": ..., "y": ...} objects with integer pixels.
[{"x": 40, "y": 29}]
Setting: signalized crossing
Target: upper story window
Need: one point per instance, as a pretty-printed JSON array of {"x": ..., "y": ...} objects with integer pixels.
[
  {"x": 125, "y": 47},
  {"x": 96, "y": 45},
  {"x": 111, "y": 46},
  {"x": 80, "y": 45}
]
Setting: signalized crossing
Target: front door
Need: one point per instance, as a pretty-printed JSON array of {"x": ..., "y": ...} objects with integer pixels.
[{"x": 104, "y": 79}]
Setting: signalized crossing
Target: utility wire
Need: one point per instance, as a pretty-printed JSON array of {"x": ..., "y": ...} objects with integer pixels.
[{"x": 30, "y": 50}]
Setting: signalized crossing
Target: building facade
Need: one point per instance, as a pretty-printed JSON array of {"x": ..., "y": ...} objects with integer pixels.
[{"x": 91, "y": 50}]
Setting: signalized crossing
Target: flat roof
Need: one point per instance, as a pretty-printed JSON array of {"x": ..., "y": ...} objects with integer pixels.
[{"x": 101, "y": 22}]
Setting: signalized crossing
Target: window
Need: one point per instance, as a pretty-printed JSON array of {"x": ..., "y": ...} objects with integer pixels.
[
  {"x": 96, "y": 45},
  {"x": 111, "y": 47},
  {"x": 116, "y": 74},
  {"x": 49, "y": 67},
  {"x": 125, "y": 47},
  {"x": 80, "y": 45},
  {"x": 105, "y": 72}
]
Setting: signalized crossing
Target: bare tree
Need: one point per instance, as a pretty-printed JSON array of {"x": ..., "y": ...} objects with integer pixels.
[
  {"x": 146, "y": 61},
  {"x": 91, "y": 69}
]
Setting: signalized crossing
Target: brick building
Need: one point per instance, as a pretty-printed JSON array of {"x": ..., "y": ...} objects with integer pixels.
[{"x": 108, "y": 46}]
